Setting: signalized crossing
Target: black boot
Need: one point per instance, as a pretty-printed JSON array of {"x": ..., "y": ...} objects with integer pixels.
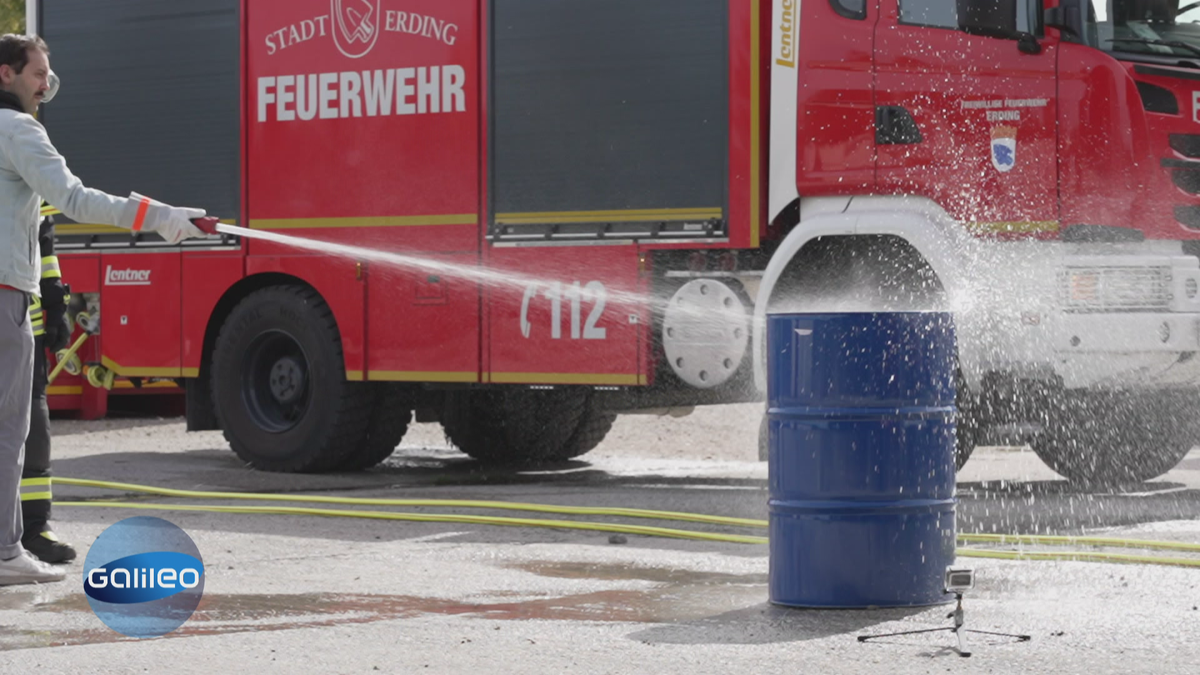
[{"x": 46, "y": 547}]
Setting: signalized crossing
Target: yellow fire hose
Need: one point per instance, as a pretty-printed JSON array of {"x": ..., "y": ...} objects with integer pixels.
[
  {"x": 997, "y": 539},
  {"x": 65, "y": 357},
  {"x": 68, "y": 359}
]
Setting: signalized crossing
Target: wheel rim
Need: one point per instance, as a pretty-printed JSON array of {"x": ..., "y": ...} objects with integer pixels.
[{"x": 275, "y": 381}]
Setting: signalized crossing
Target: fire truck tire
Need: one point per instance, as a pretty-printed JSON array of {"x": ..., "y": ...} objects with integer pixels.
[
  {"x": 516, "y": 427},
  {"x": 968, "y": 423},
  {"x": 390, "y": 417},
  {"x": 764, "y": 439},
  {"x": 279, "y": 384},
  {"x": 1104, "y": 441},
  {"x": 966, "y": 436},
  {"x": 591, "y": 432}
]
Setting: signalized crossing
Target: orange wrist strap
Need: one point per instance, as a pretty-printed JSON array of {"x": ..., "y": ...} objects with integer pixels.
[{"x": 141, "y": 214}]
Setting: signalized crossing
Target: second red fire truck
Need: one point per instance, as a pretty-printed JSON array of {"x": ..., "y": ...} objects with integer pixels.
[{"x": 617, "y": 193}]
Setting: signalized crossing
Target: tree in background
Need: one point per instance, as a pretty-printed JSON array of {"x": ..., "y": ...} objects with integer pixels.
[{"x": 12, "y": 16}]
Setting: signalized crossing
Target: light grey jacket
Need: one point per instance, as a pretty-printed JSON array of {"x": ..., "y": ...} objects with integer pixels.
[{"x": 32, "y": 170}]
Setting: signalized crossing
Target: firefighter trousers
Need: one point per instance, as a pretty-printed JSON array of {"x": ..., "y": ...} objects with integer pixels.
[
  {"x": 16, "y": 386},
  {"x": 35, "y": 479}
]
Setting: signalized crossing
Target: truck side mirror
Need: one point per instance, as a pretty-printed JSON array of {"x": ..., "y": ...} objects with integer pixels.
[
  {"x": 1027, "y": 43},
  {"x": 1065, "y": 17}
]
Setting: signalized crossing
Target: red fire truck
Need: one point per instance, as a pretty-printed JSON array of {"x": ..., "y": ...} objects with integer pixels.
[{"x": 619, "y": 192}]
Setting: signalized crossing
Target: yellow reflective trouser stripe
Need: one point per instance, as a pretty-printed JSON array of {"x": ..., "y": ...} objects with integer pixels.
[
  {"x": 50, "y": 268},
  {"x": 34, "y": 489},
  {"x": 35, "y": 316}
]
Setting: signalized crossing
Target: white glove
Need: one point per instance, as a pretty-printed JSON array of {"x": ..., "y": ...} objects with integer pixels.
[
  {"x": 178, "y": 225},
  {"x": 173, "y": 223}
]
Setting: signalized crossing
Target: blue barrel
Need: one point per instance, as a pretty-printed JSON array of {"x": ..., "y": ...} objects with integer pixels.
[{"x": 861, "y": 458}]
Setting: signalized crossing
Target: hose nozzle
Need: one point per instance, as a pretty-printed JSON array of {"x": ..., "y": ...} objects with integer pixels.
[{"x": 207, "y": 224}]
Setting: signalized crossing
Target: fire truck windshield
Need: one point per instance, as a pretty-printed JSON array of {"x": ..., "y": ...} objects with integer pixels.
[{"x": 1168, "y": 28}]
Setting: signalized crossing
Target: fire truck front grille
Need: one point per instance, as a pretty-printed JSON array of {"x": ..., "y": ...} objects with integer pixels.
[{"x": 1120, "y": 289}]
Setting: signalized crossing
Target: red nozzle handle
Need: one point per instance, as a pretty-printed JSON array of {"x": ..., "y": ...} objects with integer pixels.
[{"x": 207, "y": 224}]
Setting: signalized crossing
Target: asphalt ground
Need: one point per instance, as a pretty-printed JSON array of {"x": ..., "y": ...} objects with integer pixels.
[{"x": 302, "y": 593}]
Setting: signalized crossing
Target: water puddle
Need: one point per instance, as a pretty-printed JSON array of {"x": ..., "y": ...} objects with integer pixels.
[
  {"x": 615, "y": 572},
  {"x": 677, "y": 595}
]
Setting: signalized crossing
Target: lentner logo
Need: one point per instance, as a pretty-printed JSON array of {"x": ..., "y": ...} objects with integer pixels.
[
  {"x": 787, "y": 21},
  {"x": 126, "y": 277}
]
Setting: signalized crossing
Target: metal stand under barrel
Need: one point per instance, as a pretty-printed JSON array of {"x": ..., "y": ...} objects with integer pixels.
[{"x": 861, "y": 458}]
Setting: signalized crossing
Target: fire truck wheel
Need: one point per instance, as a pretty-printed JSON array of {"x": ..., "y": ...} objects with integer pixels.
[
  {"x": 966, "y": 436},
  {"x": 968, "y": 423},
  {"x": 279, "y": 383},
  {"x": 391, "y": 414},
  {"x": 764, "y": 439},
  {"x": 592, "y": 430},
  {"x": 514, "y": 426},
  {"x": 1103, "y": 440}
]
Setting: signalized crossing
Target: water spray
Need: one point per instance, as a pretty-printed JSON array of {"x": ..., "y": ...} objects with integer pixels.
[
  {"x": 477, "y": 274},
  {"x": 480, "y": 275}
]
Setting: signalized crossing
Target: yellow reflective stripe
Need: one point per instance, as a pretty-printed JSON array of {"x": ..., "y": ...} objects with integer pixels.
[
  {"x": 48, "y": 210},
  {"x": 50, "y": 268},
  {"x": 33, "y": 489},
  {"x": 36, "y": 316}
]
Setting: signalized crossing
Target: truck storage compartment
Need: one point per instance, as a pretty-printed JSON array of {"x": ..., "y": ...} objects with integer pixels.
[
  {"x": 120, "y": 126},
  {"x": 608, "y": 119}
]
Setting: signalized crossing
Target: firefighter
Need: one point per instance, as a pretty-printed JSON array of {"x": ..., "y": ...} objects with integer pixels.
[
  {"x": 51, "y": 330},
  {"x": 31, "y": 169}
]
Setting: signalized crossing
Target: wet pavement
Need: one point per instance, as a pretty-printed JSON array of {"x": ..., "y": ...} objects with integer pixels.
[{"x": 297, "y": 593}]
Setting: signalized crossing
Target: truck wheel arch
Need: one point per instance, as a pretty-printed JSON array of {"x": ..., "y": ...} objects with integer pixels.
[{"x": 939, "y": 241}]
